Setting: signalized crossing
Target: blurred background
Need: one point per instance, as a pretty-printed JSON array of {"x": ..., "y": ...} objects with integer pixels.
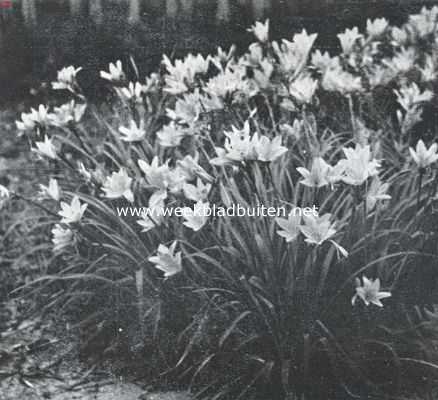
[{"x": 37, "y": 37}]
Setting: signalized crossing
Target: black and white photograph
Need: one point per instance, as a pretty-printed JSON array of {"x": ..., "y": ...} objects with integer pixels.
[{"x": 218, "y": 199}]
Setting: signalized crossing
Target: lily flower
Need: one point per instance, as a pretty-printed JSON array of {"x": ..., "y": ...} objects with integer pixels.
[
  {"x": 52, "y": 191},
  {"x": 239, "y": 147},
  {"x": 269, "y": 150},
  {"x": 115, "y": 73},
  {"x": 46, "y": 148},
  {"x": 260, "y": 31},
  {"x": 196, "y": 217},
  {"x": 181, "y": 75},
  {"x": 196, "y": 193},
  {"x": 156, "y": 175},
  {"x": 153, "y": 216},
  {"x": 167, "y": 260},
  {"x": 318, "y": 175},
  {"x": 118, "y": 185},
  {"x": 318, "y": 229},
  {"x": 428, "y": 73},
  {"x": 399, "y": 36},
  {"x": 62, "y": 237},
  {"x": 290, "y": 227},
  {"x": 377, "y": 192},
  {"x": 134, "y": 91},
  {"x": 338, "y": 80},
  {"x": 349, "y": 39},
  {"x": 403, "y": 61},
  {"x": 424, "y": 23},
  {"x": 135, "y": 133},
  {"x": 409, "y": 96},
  {"x": 303, "y": 89},
  {"x": 228, "y": 82},
  {"x": 369, "y": 292},
  {"x": 323, "y": 61},
  {"x": 377, "y": 27},
  {"x": 293, "y": 55},
  {"x": 68, "y": 112},
  {"x": 171, "y": 135},
  {"x": 72, "y": 212},
  {"x": 66, "y": 78},
  {"x": 27, "y": 123},
  {"x": 4, "y": 192},
  {"x": 190, "y": 168},
  {"x": 30, "y": 121},
  {"x": 358, "y": 165},
  {"x": 423, "y": 156}
]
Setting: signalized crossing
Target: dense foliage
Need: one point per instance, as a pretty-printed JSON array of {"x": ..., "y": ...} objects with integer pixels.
[{"x": 337, "y": 304}]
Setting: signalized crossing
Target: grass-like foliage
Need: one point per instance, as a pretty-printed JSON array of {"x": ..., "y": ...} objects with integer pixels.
[{"x": 329, "y": 306}]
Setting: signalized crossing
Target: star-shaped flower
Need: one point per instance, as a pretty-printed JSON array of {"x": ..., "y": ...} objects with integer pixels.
[{"x": 369, "y": 292}]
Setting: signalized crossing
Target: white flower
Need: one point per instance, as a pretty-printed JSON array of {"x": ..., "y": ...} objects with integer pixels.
[
  {"x": 61, "y": 237},
  {"x": 239, "y": 146},
  {"x": 399, "y": 36},
  {"x": 409, "y": 96},
  {"x": 4, "y": 192},
  {"x": 188, "y": 108},
  {"x": 303, "y": 43},
  {"x": 66, "y": 78},
  {"x": 379, "y": 76},
  {"x": 167, "y": 260},
  {"x": 318, "y": 175},
  {"x": 422, "y": 156},
  {"x": 153, "y": 216},
  {"x": 134, "y": 133},
  {"x": 268, "y": 150},
  {"x": 196, "y": 193},
  {"x": 72, "y": 212},
  {"x": 318, "y": 229},
  {"x": 52, "y": 191},
  {"x": 303, "y": 89},
  {"x": 403, "y": 61},
  {"x": 293, "y": 55},
  {"x": 134, "y": 91},
  {"x": 377, "y": 27},
  {"x": 349, "y": 38},
  {"x": 377, "y": 192},
  {"x": 67, "y": 112},
  {"x": 428, "y": 73},
  {"x": 190, "y": 168},
  {"x": 156, "y": 175},
  {"x": 115, "y": 74},
  {"x": 424, "y": 23},
  {"x": 358, "y": 165},
  {"x": 183, "y": 72},
  {"x": 260, "y": 30},
  {"x": 118, "y": 185},
  {"x": 290, "y": 227},
  {"x": 338, "y": 80},
  {"x": 323, "y": 61},
  {"x": 197, "y": 217},
  {"x": 29, "y": 121},
  {"x": 369, "y": 292},
  {"x": 171, "y": 135},
  {"x": 46, "y": 148},
  {"x": 228, "y": 82}
]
